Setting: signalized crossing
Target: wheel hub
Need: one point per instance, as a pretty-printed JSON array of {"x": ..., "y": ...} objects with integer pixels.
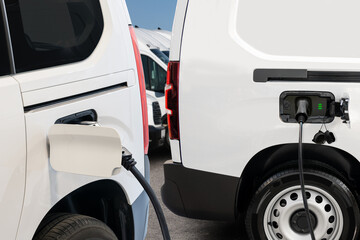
[
  {"x": 285, "y": 218},
  {"x": 298, "y": 221}
]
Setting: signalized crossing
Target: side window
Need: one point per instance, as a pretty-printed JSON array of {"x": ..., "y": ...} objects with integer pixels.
[
  {"x": 4, "y": 56},
  {"x": 157, "y": 76},
  {"x": 144, "y": 60},
  {"x": 49, "y": 33},
  {"x": 161, "y": 79}
]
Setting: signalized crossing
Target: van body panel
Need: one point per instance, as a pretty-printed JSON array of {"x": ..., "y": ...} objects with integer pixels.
[
  {"x": 13, "y": 159},
  {"x": 236, "y": 118},
  {"x": 105, "y": 82},
  {"x": 114, "y": 44},
  {"x": 38, "y": 96},
  {"x": 47, "y": 186},
  {"x": 177, "y": 29}
]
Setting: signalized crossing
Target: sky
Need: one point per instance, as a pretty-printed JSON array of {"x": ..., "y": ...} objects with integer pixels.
[{"x": 151, "y": 14}]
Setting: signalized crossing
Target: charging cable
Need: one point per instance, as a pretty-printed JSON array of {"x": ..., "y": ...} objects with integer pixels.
[
  {"x": 301, "y": 117},
  {"x": 129, "y": 164}
]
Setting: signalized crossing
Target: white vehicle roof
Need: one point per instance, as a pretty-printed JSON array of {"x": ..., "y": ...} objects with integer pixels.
[
  {"x": 146, "y": 49},
  {"x": 147, "y": 36},
  {"x": 164, "y": 33},
  {"x": 159, "y": 37}
]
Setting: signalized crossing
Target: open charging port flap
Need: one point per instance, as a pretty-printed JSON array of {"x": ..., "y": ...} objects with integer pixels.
[{"x": 321, "y": 108}]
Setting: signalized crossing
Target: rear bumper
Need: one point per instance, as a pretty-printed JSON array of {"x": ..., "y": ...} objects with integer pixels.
[
  {"x": 157, "y": 136},
  {"x": 198, "y": 194}
]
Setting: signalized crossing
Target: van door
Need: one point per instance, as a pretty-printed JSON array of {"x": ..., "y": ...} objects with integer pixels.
[
  {"x": 77, "y": 68},
  {"x": 12, "y": 156},
  {"x": 12, "y": 142}
]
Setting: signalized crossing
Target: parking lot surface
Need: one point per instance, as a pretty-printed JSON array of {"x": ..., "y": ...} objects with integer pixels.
[{"x": 184, "y": 228}]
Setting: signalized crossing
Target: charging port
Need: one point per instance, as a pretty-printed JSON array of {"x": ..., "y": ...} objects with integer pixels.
[{"x": 320, "y": 107}]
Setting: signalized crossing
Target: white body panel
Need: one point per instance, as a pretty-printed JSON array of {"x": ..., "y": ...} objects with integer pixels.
[
  {"x": 13, "y": 159},
  {"x": 30, "y": 187},
  {"x": 236, "y": 117},
  {"x": 48, "y": 84},
  {"x": 45, "y": 186},
  {"x": 146, "y": 35},
  {"x": 153, "y": 96},
  {"x": 159, "y": 37},
  {"x": 177, "y": 30}
]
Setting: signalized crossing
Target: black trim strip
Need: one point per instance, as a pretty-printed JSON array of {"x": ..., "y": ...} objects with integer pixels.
[
  {"x": 45, "y": 104},
  {"x": 8, "y": 37},
  {"x": 303, "y": 75}
]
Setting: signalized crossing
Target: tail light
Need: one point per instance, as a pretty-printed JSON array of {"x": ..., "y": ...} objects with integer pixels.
[
  {"x": 142, "y": 90},
  {"x": 172, "y": 99}
]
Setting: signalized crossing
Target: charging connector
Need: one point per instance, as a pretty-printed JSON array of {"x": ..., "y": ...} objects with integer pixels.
[
  {"x": 302, "y": 112},
  {"x": 301, "y": 117}
]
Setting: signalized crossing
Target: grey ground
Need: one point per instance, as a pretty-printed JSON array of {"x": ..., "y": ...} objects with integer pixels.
[{"x": 184, "y": 228}]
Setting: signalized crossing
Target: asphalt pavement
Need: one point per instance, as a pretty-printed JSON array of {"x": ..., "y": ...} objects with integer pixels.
[{"x": 182, "y": 228}]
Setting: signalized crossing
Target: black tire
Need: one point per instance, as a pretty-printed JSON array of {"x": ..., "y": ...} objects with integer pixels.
[
  {"x": 74, "y": 227},
  {"x": 278, "y": 202}
]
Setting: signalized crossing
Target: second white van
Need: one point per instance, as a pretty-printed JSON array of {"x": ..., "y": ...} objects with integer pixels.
[{"x": 243, "y": 77}]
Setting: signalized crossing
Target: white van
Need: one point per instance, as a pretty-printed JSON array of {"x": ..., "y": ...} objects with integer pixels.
[
  {"x": 159, "y": 45},
  {"x": 65, "y": 63},
  {"x": 155, "y": 70},
  {"x": 237, "y": 71},
  {"x": 165, "y": 41}
]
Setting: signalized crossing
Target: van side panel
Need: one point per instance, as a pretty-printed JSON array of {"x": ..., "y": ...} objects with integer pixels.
[
  {"x": 12, "y": 157},
  {"x": 177, "y": 30},
  {"x": 107, "y": 83},
  {"x": 112, "y": 55},
  {"x": 232, "y": 117}
]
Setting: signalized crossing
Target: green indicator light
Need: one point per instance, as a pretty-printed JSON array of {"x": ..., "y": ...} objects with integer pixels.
[{"x": 320, "y": 106}]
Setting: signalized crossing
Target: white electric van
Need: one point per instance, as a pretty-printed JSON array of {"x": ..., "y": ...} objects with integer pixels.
[
  {"x": 155, "y": 70},
  {"x": 158, "y": 47},
  {"x": 67, "y": 66},
  {"x": 238, "y": 72},
  {"x": 165, "y": 41}
]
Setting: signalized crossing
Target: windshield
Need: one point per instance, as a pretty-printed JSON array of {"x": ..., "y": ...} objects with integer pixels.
[
  {"x": 166, "y": 53},
  {"x": 160, "y": 55}
]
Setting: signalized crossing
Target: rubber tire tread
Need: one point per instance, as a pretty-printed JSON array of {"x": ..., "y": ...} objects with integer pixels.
[
  {"x": 64, "y": 226},
  {"x": 48, "y": 223}
]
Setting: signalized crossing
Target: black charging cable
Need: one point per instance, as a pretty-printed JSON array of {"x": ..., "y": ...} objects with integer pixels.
[
  {"x": 129, "y": 164},
  {"x": 301, "y": 117}
]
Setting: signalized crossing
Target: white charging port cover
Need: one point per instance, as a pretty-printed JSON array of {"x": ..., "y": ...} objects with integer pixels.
[{"x": 85, "y": 149}]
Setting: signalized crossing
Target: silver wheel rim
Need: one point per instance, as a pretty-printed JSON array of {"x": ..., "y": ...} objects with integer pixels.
[{"x": 281, "y": 210}]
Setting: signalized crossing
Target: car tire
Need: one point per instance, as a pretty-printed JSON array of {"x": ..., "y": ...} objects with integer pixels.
[
  {"x": 276, "y": 210},
  {"x": 74, "y": 227}
]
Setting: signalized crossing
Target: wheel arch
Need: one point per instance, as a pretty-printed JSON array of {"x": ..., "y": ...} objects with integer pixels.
[
  {"x": 276, "y": 158},
  {"x": 104, "y": 200}
]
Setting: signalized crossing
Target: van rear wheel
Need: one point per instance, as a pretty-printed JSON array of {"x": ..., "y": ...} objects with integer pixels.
[
  {"x": 75, "y": 227},
  {"x": 277, "y": 212}
]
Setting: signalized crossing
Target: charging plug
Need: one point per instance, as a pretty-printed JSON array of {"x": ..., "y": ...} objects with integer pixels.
[{"x": 302, "y": 112}]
